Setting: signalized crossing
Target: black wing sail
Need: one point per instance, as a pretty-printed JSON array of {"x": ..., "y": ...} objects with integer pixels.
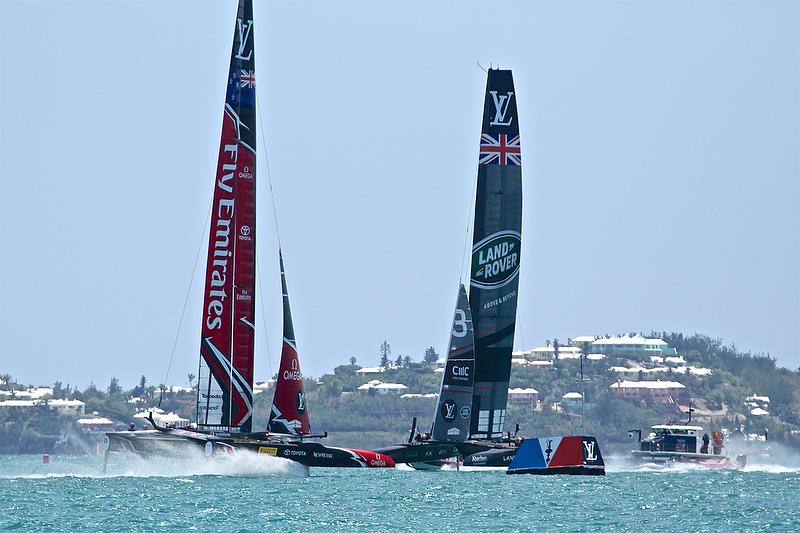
[
  {"x": 451, "y": 421},
  {"x": 497, "y": 237}
]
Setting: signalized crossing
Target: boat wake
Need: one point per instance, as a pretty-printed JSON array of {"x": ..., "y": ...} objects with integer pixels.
[{"x": 241, "y": 464}]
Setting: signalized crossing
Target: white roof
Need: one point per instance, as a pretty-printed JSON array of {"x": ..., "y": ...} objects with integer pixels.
[
  {"x": 674, "y": 426},
  {"x": 94, "y": 421},
  {"x": 366, "y": 386},
  {"x": 417, "y": 395},
  {"x": 65, "y": 403},
  {"x": 647, "y": 385},
  {"x": 18, "y": 403},
  {"x": 635, "y": 340},
  {"x": 540, "y": 363},
  {"x": 572, "y": 396},
  {"x": 596, "y": 356},
  {"x": 392, "y": 386},
  {"x": 529, "y": 390},
  {"x": 758, "y": 412},
  {"x": 584, "y": 338},
  {"x": 370, "y": 370},
  {"x": 568, "y": 355},
  {"x": 677, "y": 359},
  {"x": 519, "y": 361},
  {"x": 763, "y": 399},
  {"x": 626, "y": 370}
]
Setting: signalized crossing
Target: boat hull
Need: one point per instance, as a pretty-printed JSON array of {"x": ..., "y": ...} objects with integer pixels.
[
  {"x": 421, "y": 452},
  {"x": 180, "y": 443},
  {"x": 568, "y": 455},
  {"x": 487, "y": 453},
  {"x": 701, "y": 459}
]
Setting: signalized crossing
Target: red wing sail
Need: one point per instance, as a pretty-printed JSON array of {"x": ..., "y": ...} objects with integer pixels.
[
  {"x": 289, "y": 415},
  {"x": 225, "y": 384}
]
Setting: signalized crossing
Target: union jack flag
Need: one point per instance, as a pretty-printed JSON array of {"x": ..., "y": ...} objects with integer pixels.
[
  {"x": 500, "y": 150},
  {"x": 248, "y": 79}
]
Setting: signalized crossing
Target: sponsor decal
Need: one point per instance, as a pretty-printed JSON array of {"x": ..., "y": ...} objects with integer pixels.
[
  {"x": 495, "y": 260},
  {"x": 323, "y": 455},
  {"x": 269, "y": 450},
  {"x": 448, "y": 410},
  {"x": 454, "y": 431},
  {"x": 222, "y": 249},
  {"x": 244, "y": 233},
  {"x": 501, "y": 102},
  {"x": 244, "y": 29},
  {"x": 549, "y": 450},
  {"x": 293, "y": 374},
  {"x": 378, "y": 461},
  {"x": 245, "y": 173},
  {"x": 300, "y": 453},
  {"x": 588, "y": 448},
  {"x": 465, "y": 412},
  {"x": 478, "y": 458},
  {"x": 301, "y": 402}
]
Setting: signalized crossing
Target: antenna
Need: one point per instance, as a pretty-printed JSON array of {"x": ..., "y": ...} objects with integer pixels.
[{"x": 481, "y": 67}]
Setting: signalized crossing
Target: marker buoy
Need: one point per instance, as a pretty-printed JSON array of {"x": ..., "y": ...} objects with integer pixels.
[{"x": 46, "y": 458}]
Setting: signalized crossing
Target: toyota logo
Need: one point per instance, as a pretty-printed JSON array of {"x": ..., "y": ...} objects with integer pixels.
[{"x": 245, "y": 230}]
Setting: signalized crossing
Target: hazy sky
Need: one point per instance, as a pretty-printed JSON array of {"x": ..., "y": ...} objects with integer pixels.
[{"x": 661, "y": 169}]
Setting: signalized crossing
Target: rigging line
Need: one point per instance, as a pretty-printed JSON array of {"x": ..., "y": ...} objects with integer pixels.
[
  {"x": 481, "y": 66},
  {"x": 269, "y": 175},
  {"x": 470, "y": 211},
  {"x": 264, "y": 323},
  {"x": 186, "y": 300},
  {"x": 277, "y": 230}
]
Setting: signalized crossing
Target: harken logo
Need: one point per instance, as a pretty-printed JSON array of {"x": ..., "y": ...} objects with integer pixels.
[
  {"x": 465, "y": 412},
  {"x": 448, "y": 410},
  {"x": 495, "y": 260}
]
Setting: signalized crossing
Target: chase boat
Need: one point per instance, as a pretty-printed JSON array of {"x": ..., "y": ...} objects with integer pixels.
[{"x": 668, "y": 444}]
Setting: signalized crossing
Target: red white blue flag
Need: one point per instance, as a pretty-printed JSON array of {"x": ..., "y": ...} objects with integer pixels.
[{"x": 500, "y": 150}]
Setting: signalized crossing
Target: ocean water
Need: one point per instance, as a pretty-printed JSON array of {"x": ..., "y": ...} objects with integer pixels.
[{"x": 258, "y": 493}]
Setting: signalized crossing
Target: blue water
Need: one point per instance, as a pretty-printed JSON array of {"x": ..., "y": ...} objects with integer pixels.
[{"x": 259, "y": 493}]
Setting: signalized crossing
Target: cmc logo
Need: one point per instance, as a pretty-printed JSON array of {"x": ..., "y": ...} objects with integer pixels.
[
  {"x": 462, "y": 371},
  {"x": 495, "y": 260}
]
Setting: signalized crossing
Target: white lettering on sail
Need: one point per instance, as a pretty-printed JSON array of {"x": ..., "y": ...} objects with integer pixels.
[
  {"x": 244, "y": 34},
  {"x": 222, "y": 243},
  {"x": 500, "y": 108},
  {"x": 460, "y": 323}
]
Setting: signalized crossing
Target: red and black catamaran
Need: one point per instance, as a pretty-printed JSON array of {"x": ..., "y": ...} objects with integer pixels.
[{"x": 224, "y": 412}]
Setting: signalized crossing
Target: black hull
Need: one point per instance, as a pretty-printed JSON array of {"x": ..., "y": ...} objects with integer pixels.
[
  {"x": 178, "y": 443},
  {"x": 489, "y": 454},
  {"x": 420, "y": 452},
  {"x": 565, "y": 470}
]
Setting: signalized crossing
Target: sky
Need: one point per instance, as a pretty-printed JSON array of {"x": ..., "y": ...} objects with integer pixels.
[{"x": 661, "y": 174}]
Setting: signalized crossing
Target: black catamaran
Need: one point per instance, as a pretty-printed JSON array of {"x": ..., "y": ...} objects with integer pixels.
[
  {"x": 225, "y": 385},
  {"x": 471, "y": 412}
]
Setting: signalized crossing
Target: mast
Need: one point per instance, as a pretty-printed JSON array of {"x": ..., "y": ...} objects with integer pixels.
[
  {"x": 225, "y": 381},
  {"x": 497, "y": 237},
  {"x": 289, "y": 415},
  {"x": 453, "y": 412}
]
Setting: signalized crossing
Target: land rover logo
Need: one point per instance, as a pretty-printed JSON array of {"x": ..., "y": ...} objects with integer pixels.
[{"x": 495, "y": 260}]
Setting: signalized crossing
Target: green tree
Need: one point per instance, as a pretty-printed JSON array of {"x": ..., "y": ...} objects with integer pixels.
[
  {"x": 113, "y": 387},
  {"x": 430, "y": 355},
  {"x": 386, "y": 353},
  {"x": 352, "y": 360},
  {"x": 191, "y": 379}
]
